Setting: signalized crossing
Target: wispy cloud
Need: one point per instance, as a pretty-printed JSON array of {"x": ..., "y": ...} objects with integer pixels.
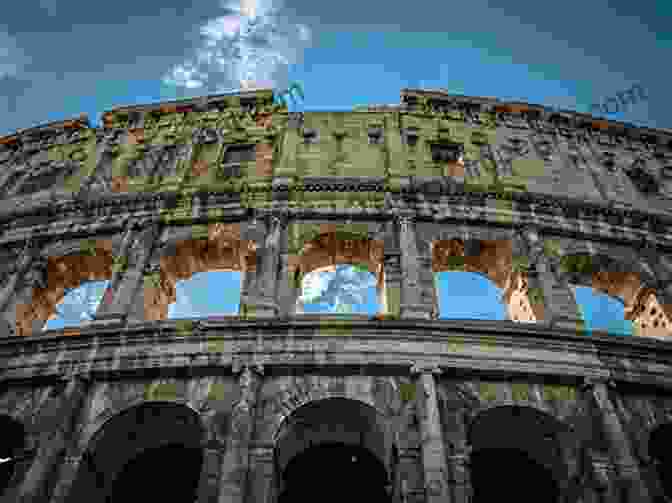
[{"x": 250, "y": 45}]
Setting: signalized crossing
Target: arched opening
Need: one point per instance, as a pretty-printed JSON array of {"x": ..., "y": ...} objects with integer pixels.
[
  {"x": 69, "y": 286},
  {"x": 13, "y": 438},
  {"x": 601, "y": 311},
  {"x": 343, "y": 288},
  {"x": 153, "y": 450},
  {"x": 166, "y": 473},
  {"x": 510, "y": 475},
  {"x": 78, "y": 305},
  {"x": 615, "y": 298},
  {"x": 468, "y": 295},
  {"x": 335, "y": 448},
  {"x": 200, "y": 276},
  {"x": 211, "y": 293},
  {"x": 660, "y": 453},
  {"x": 517, "y": 454},
  {"x": 338, "y": 473}
]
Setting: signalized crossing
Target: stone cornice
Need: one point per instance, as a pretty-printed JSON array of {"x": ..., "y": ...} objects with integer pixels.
[
  {"x": 487, "y": 347},
  {"x": 107, "y": 213}
]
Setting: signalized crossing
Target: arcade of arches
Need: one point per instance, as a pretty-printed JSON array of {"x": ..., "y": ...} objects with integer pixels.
[
  {"x": 224, "y": 249},
  {"x": 337, "y": 447}
]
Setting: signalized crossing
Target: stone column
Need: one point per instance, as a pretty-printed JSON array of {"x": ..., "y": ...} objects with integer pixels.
[
  {"x": 19, "y": 305},
  {"x": 544, "y": 275},
  {"x": 391, "y": 300},
  {"x": 433, "y": 448},
  {"x": 411, "y": 299},
  {"x": 128, "y": 300},
  {"x": 108, "y": 311},
  {"x": 260, "y": 297},
  {"x": 623, "y": 459},
  {"x": 261, "y": 474},
  {"x": 12, "y": 287},
  {"x": 460, "y": 477},
  {"x": 208, "y": 486},
  {"x": 236, "y": 461},
  {"x": 35, "y": 487},
  {"x": 67, "y": 474}
]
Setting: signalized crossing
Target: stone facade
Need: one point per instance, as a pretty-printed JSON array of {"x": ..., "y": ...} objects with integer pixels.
[{"x": 273, "y": 406}]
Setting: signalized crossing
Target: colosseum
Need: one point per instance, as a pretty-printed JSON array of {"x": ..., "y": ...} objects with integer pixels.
[{"x": 275, "y": 405}]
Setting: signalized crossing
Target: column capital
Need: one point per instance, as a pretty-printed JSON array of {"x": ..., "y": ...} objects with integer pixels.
[
  {"x": 246, "y": 369},
  {"x": 590, "y": 382},
  {"x": 425, "y": 368}
]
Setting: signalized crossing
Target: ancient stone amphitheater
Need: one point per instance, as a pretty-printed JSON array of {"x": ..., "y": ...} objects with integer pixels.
[{"x": 275, "y": 406}]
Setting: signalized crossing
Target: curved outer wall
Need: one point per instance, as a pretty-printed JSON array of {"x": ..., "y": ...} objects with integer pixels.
[{"x": 533, "y": 199}]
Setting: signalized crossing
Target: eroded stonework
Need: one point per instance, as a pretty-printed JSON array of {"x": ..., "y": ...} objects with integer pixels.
[{"x": 272, "y": 405}]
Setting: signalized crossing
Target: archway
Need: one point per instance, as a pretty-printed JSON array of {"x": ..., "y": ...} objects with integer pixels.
[
  {"x": 63, "y": 274},
  {"x": 343, "y": 288},
  {"x": 153, "y": 449},
  {"x": 468, "y": 295},
  {"x": 601, "y": 311},
  {"x": 660, "y": 453},
  {"x": 163, "y": 473},
  {"x": 204, "y": 294},
  {"x": 220, "y": 250},
  {"x": 517, "y": 454},
  {"x": 13, "y": 438},
  {"x": 335, "y": 448},
  {"x": 77, "y": 305}
]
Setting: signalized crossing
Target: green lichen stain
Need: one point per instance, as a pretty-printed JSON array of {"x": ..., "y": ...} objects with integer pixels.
[
  {"x": 216, "y": 346},
  {"x": 217, "y": 392},
  {"x": 487, "y": 391},
  {"x": 184, "y": 327},
  {"x": 161, "y": 391},
  {"x": 407, "y": 391},
  {"x": 559, "y": 393},
  {"x": 520, "y": 392}
]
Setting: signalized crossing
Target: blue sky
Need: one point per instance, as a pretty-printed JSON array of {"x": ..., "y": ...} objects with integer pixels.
[
  {"x": 61, "y": 58},
  {"x": 461, "y": 295}
]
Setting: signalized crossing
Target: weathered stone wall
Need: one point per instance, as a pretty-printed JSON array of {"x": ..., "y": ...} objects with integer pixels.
[{"x": 534, "y": 200}]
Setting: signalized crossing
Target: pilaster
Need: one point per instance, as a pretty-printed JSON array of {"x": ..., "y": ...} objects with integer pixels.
[
  {"x": 208, "y": 486},
  {"x": 544, "y": 276},
  {"x": 411, "y": 297},
  {"x": 622, "y": 457},
  {"x": 13, "y": 286},
  {"x": 128, "y": 299},
  {"x": 433, "y": 448},
  {"x": 260, "y": 291},
  {"x": 35, "y": 487},
  {"x": 235, "y": 472}
]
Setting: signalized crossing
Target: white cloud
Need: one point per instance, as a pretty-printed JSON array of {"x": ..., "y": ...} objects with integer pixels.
[{"x": 251, "y": 46}]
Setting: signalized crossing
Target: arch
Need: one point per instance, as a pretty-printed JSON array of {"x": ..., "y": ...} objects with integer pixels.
[
  {"x": 601, "y": 311},
  {"x": 627, "y": 282},
  {"x": 514, "y": 435},
  {"x": 492, "y": 258},
  {"x": 13, "y": 443},
  {"x": 88, "y": 431},
  {"x": 327, "y": 285},
  {"x": 136, "y": 431},
  {"x": 77, "y": 297},
  {"x": 332, "y": 427},
  {"x": 209, "y": 293},
  {"x": 219, "y": 248},
  {"x": 659, "y": 451},
  {"x": 469, "y": 285},
  {"x": 63, "y": 273},
  {"x": 331, "y": 248}
]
